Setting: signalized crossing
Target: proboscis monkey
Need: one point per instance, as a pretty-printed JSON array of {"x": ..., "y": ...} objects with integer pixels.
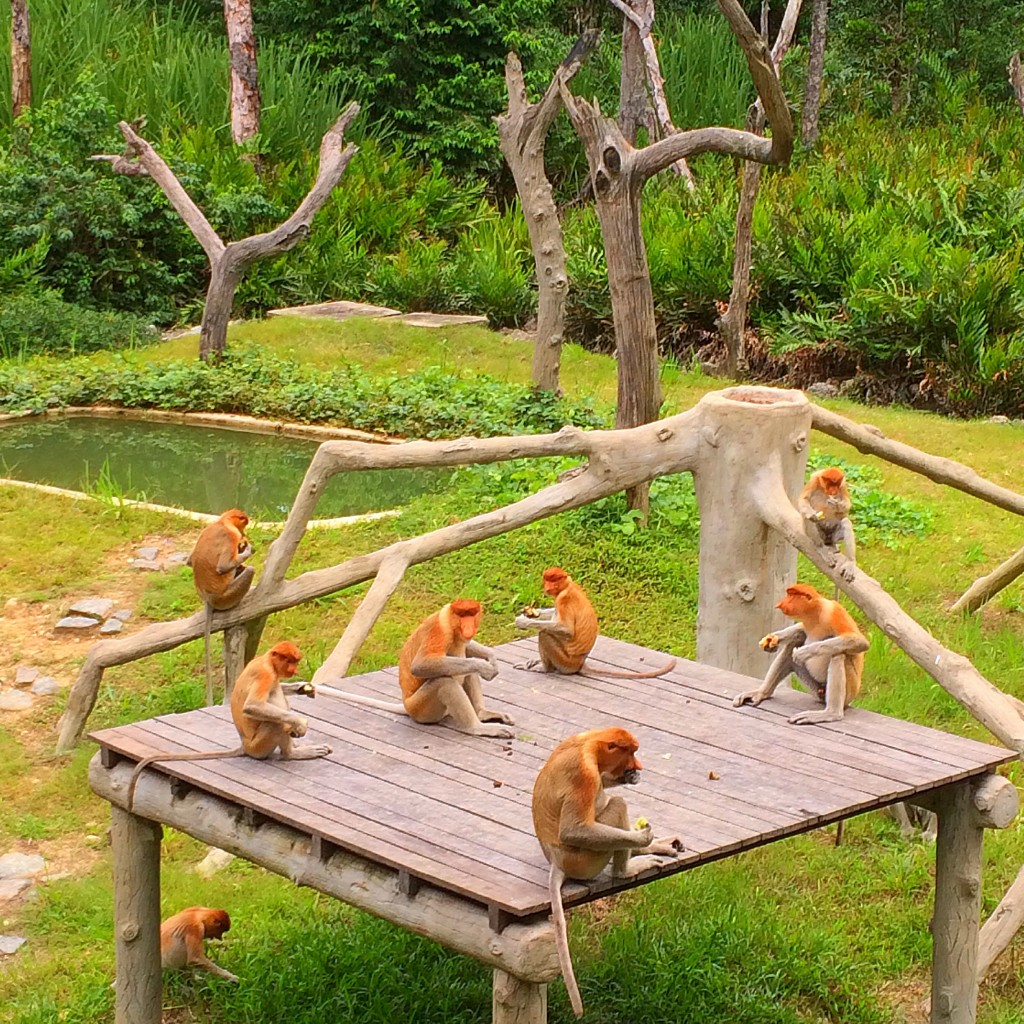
[
  {"x": 825, "y": 502},
  {"x": 440, "y": 669},
  {"x": 566, "y": 633},
  {"x": 261, "y": 715},
  {"x": 218, "y": 572},
  {"x": 580, "y": 828},
  {"x": 181, "y": 940},
  {"x": 825, "y": 651}
]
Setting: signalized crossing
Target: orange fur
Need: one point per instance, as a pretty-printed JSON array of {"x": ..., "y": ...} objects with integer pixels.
[
  {"x": 572, "y": 607},
  {"x": 445, "y": 633},
  {"x": 181, "y": 939},
  {"x": 218, "y": 542}
]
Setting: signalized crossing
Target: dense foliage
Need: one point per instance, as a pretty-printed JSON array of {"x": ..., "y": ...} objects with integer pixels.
[
  {"x": 429, "y": 404},
  {"x": 890, "y": 258}
]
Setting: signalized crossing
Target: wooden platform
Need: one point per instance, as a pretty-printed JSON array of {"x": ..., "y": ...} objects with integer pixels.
[{"x": 454, "y": 811}]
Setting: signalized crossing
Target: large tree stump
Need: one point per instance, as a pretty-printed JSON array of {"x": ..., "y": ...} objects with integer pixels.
[
  {"x": 518, "y": 1002},
  {"x": 746, "y": 433},
  {"x": 136, "y": 848}
]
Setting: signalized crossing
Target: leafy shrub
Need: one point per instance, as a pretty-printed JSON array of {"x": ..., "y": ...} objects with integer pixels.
[
  {"x": 32, "y": 323},
  {"x": 429, "y": 404}
]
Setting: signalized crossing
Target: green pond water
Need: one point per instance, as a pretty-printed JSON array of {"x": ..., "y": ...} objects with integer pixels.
[{"x": 200, "y": 468}]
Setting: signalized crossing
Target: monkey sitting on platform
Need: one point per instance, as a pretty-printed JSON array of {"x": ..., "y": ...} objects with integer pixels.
[
  {"x": 580, "y": 828},
  {"x": 566, "y": 633},
  {"x": 825, "y": 651}
]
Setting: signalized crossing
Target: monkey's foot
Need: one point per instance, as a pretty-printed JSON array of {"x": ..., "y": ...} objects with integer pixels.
[
  {"x": 486, "y": 715},
  {"x": 308, "y": 751},
  {"x": 645, "y": 862},
  {"x": 816, "y": 717},
  {"x": 535, "y": 665},
  {"x": 497, "y": 731}
]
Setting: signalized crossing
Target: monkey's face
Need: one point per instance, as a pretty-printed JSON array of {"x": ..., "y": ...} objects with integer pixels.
[
  {"x": 286, "y": 665},
  {"x": 619, "y": 764},
  {"x": 798, "y": 601},
  {"x": 555, "y": 585},
  {"x": 238, "y": 519},
  {"x": 468, "y": 625},
  {"x": 832, "y": 480}
]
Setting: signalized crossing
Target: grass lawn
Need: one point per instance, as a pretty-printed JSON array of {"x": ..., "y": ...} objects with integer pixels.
[{"x": 800, "y": 931}]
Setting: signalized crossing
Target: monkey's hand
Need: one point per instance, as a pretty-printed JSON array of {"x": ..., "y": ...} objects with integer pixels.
[
  {"x": 245, "y": 551},
  {"x": 750, "y": 697},
  {"x": 643, "y": 836},
  {"x": 525, "y": 621},
  {"x": 769, "y": 642},
  {"x": 296, "y": 726},
  {"x": 530, "y": 612},
  {"x": 486, "y": 669}
]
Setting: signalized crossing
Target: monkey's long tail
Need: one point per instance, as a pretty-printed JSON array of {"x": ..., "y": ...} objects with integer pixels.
[
  {"x": 555, "y": 880},
  {"x": 147, "y": 761},
  {"x": 366, "y": 702},
  {"x": 612, "y": 674}
]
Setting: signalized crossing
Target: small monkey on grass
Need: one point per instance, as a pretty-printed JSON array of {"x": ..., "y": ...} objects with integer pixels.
[
  {"x": 181, "y": 940},
  {"x": 825, "y": 502},
  {"x": 261, "y": 715},
  {"x": 439, "y": 670},
  {"x": 566, "y": 633},
  {"x": 219, "y": 573},
  {"x": 825, "y": 651},
  {"x": 580, "y": 828}
]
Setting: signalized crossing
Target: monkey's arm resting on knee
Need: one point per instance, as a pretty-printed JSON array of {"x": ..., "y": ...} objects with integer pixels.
[
  {"x": 595, "y": 835},
  {"x": 847, "y": 644},
  {"x": 553, "y": 627},
  {"x": 475, "y": 650},
  {"x": 264, "y": 711},
  {"x": 436, "y": 666}
]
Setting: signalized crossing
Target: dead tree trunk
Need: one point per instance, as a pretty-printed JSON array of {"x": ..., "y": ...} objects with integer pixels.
[
  {"x": 21, "y": 58},
  {"x": 522, "y": 133},
  {"x": 229, "y": 262},
  {"x": 1017, "y": 79},
  {"x": 245, "y": 90},
  {"x": 733, "y": 323},
  {"x": 618, "y": 173},
  {"x": 815, "y": 73}
]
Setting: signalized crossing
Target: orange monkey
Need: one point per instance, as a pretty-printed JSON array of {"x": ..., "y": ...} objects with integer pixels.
[
  {"x": 825, "y": 502},
  {"x": 580, "y": 828},
  {"x": 825, "y": 651},
  {"x": 181, "y": 939},
  {"x": 566, "y": 633},
  {"x": 261, "y": 715},
  {"x": 440, "y": 669},
  {"x": 218, "y": 572}
]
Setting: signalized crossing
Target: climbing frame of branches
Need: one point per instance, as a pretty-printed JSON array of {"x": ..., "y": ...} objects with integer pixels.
[{"x": 746, "y": 448}]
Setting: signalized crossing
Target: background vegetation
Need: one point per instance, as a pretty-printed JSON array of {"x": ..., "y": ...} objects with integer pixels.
[{"x": 888, "y": 258}]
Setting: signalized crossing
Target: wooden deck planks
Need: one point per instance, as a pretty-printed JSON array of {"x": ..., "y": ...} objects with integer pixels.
[{"x": 454, "y": 810}]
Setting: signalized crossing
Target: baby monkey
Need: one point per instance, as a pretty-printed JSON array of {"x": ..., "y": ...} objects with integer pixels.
[
  {"x": 581, "y": 828},
  {"x": 825, "y": 651},
  {"x": 825, "y": 502}
]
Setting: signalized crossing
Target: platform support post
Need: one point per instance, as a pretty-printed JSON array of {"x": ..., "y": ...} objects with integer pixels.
[
  {"x": 136, "y": 848},
  {"x": 517, "y": 1001}
]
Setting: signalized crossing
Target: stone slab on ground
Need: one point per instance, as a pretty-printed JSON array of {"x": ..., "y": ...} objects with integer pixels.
[
  {"x": 21, "y": 865},
  {"x": 340, "y": 310},
  {"x": 111, "y": 626},
  {"x": 149, "y": 552},
  {"x": 76, "y": 624},
  {"x": 25, "y": 674},
  {"x": 44, "y": 686},
  {"x": 177, "y": 558},
  {"x": 10, "y": 944},
  {"x": 123, "y": 614},
  {"x": 150, "y": 564},
  {"x": 11, "y": 887},
  {"x": 442, "y": 319},
  {"x": 92, "y": 607},
  {"x": 15, "y": 700}
]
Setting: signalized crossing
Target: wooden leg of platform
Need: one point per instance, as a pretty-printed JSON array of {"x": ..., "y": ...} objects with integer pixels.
[
  {"x": 136, "y": 848},
  {"x": 955, "y": 923},
  {"x": 517, "y": 1001}
]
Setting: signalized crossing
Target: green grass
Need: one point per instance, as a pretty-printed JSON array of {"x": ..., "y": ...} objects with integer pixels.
[{"x": 799, "y": 931}]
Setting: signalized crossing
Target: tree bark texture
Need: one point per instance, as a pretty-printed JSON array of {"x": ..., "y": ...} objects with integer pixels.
[
  {"x": 1017, "y": 79},
  {"x": 229, "y": 262},
  {"x": 518, "y": 1002},
  {"x": 815, "y": 74},
  {"x": 21, "y": 58},
  {"x": 1002, "y": 924},
  {"x": 733, "y": 323},
  {"x": 634, "y": 101},
  {"x": 522, "y": 133},
  {"x": 245, "y": 90},
  {"x": 136, "y": 849},
  {"x": 982, "y": 590}
]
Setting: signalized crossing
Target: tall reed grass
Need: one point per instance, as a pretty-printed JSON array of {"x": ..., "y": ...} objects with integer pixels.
[{"x": 169, "y": 67}]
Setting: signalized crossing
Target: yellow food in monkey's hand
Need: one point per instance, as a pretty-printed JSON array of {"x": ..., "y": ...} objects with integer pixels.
[
  {"x": 530, "y": 612},
  {"x": 769, "y": 642},
  {"x": 820, "y": 515},
  {"x": 640, "y": 824}
]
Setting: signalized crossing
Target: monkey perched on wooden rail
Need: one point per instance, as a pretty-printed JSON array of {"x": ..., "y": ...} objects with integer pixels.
[
  {"x": 825, "y": 651},
  {"x": 439, "y": 670},
  {"x": 580, "y": 828},
  {"x": 825, "y": 502},
  {"x": 261, "y": 714},
  {"x": 566, "y": 633},
  {"x": 218, "y": 572},
  {"x": 181, "y": 940}
]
